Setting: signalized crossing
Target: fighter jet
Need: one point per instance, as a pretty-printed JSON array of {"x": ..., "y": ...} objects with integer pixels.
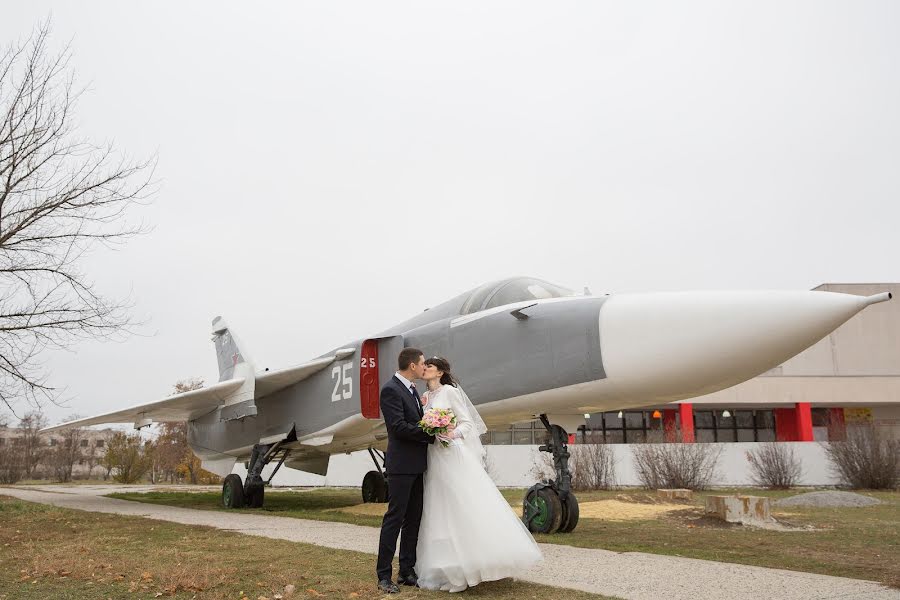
[{"x": 522, "y": 349}]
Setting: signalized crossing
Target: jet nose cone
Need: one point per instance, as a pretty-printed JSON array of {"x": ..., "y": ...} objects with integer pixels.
[{"x": 670, "y": 346}]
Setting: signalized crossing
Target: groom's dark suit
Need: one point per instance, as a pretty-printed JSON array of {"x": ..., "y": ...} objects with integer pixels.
[{"x": 405, "y": 463}]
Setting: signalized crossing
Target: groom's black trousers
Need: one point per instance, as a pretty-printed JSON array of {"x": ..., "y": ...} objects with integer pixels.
[{"x": 404, "y": 513}]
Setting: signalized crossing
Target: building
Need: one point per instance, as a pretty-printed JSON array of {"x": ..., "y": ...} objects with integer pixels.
[{"x": 92, "y": 447}]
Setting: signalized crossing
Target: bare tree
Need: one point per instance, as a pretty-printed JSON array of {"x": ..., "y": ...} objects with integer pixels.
[
  {"x": 31, "y": 444},
  {"x": 59, "y": 197},
  {"x": 94, "y": 454},
  {"x": 867, "y": 459},
  {"x": 774, "y": 465},
  {"x": 677, "y": 465},
  {"x": 68, "y": 451},
  {"x": 11, "y": 469}
]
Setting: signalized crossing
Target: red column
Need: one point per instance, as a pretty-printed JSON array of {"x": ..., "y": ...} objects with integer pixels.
[
  {"x": 804, "y": 422},
  {"x": 785, "y": 424},
  {"x": 837, "y": 427},
  {"x": 669, "y": 425},
  {"x": 686, "y": 413}
]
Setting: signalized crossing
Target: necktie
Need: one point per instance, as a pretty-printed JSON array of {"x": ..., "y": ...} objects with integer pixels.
[{"x": 415, "y": 393}]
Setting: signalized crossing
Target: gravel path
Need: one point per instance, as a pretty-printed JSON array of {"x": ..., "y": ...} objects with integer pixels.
[
  {"x": 829, "y": 499},
  {"x": 629, "y": 575}
]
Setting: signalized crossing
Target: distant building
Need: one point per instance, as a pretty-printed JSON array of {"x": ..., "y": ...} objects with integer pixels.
[{"x": 92, "y": 447}]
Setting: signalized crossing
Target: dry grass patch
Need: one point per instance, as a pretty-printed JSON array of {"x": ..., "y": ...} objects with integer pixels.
[
  {"x": 46, "y": 552},
  {"x": 616, "y": 510},
  {"x": 863, "y": 543},
  {"x": 372, "y": 509}
]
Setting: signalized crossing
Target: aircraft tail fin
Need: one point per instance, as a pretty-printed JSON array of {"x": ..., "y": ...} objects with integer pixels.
[{"x": 228, "y": 349}]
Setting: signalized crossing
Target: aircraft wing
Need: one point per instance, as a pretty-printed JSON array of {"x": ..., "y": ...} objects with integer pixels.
[
  {"x": 180, "y": 407},
  {"x": 193, "y": 404},
  {"x": 269, "y": 382}
]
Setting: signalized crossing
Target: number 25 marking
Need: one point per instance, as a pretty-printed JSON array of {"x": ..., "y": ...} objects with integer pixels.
[
  {"x": 343, "y": 382},
  {"x": 367, "y": 362}
]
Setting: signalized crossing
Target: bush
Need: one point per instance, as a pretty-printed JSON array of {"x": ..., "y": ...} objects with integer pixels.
[
  {"x": 867, "y": 459},
  {"x": 592, "y": 467},
  {"x": 773, "y": 465},
  {"x": 11, "y": 467},
  {"x": 675, "y": 465}
]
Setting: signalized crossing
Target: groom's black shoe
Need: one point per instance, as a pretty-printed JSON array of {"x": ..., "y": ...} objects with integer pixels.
[
  {"x": 388, "y": 587},
  {"x": 409, "y": 579}
]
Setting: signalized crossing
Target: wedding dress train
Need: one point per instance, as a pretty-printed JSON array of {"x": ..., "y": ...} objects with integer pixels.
[{"x": 469, "y": 533}]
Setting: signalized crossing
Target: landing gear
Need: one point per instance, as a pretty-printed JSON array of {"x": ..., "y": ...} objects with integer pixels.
[
  {"x": 550, "y": 506},
  {"x": 374, "y": 485},
  {"x": 251, "y": 493},
  {"x": 233, "y": 492}
]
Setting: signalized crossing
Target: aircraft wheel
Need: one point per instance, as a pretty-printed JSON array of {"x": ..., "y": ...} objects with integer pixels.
[
  {"x": 374, "y": 487},
  {"x": 570, "y": 514},
  {"x": 256, "y": 497},
  {"x": 548, "y": 510},
  {"x": 233, "y": 492}
]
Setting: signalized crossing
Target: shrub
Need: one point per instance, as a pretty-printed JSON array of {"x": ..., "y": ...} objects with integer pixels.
[
  {"x": 675, "y": 464},
  {"x": 773, "y": 465},
  {"x": 867, "y": 459},
  {"x": 11, "y": 467},
  {"x": 592, "y": 467}
]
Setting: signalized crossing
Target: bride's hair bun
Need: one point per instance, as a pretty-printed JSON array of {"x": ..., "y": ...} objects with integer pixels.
[{"x": 442, "y": 365}]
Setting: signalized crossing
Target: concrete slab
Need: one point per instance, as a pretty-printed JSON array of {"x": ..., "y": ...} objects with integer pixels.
[{"x": 630, "y": 575}]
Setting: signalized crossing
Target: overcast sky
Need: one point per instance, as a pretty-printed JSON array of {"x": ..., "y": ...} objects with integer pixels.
[{"x": 329, "y": 169}]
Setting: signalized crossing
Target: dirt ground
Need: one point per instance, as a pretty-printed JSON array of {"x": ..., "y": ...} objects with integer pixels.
[{"x": 610, "y": 510}]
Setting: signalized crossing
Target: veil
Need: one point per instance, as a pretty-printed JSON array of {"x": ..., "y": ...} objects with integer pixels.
[{"x": 473, "y": 441}]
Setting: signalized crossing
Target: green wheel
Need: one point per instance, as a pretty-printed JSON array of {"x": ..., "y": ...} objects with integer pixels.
[
  {"x": 233, "y": 492},
  {"x": 542, "y": 510}
]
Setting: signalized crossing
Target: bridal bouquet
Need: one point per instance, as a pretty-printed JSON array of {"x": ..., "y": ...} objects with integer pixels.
[{"x": 437, "y": 422}]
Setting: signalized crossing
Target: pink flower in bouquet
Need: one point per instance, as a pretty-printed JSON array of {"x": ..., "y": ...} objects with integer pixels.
[{"x": 438, "y": 421}]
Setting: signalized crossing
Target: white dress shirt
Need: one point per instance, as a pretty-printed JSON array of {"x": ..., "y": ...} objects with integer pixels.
[{"x": 405, "y": 381}]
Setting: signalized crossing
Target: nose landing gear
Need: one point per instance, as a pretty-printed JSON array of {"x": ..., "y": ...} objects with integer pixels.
[{"x": 550, "y": 506}]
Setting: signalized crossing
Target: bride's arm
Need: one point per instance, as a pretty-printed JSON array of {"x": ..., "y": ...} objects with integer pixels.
[{"x": 464, "y": 424}]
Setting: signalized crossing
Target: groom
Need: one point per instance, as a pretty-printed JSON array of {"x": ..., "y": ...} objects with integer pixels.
[{"x": 405, "y": 464}]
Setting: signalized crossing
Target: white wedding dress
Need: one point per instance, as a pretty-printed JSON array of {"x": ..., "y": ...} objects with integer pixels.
[{"x": 469, "y": 533}]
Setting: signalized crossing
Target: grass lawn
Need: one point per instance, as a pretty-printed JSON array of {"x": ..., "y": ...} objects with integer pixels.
[
  {"x": 47, "y": 552},
  {"x": 863, "y": 543}
]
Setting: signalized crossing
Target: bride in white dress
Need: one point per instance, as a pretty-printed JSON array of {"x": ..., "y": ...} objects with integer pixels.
[{"x": 469, "y": 533}]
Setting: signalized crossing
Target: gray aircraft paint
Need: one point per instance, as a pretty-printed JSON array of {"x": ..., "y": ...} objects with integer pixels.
[
  {"x": 519, "y": 347},
  {"x": 494, "y": 355}
]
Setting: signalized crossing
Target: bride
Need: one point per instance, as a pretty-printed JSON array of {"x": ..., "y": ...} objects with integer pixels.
[{"x": 469, "y": 533}]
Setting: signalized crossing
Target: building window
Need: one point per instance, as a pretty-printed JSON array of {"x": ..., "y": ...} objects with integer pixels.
[
  {"x": 53, "y": 441},
  {"x": 2, "y": 441},
  {"x": 633, "y": 427},
  {"x": 737, "y": 426},
  {"x": 84, "y": 443},
  {"x": 98, "y": 443}
]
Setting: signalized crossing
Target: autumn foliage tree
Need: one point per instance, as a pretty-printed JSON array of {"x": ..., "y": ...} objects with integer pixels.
[
  {"x": 175, "y": 459},
  {"x": 127, "y": 457},
  {"x": 62, "y": 457}
]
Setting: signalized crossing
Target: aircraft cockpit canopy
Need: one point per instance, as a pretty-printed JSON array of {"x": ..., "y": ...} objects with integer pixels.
[{"x": 509, "y": 291}]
